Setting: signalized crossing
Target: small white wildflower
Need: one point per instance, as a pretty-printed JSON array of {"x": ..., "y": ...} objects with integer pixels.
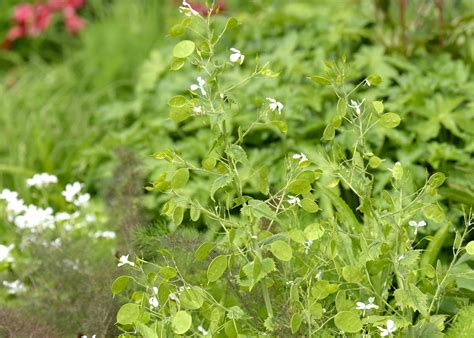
[
  {"x": 302, "y": 157},
  {"x": 356, "y": 105},
  {"x": 14, "y": 287},
  {"x": 389, "y": 330},
  {"x": 187, "y": 9},
  {"x": 198, "y": 110},
  {"x": 41, "y": 180},
  {"x": 275, "y": 105},
  {"x": 82, "y": 200},
  {"x": 153, "y": 302},
  {"x": 173, "y": 297},
  {"x": 290, "y": 282},
  {"x": 294, "y": 200},
  {"x": 124, "y": 260},
  {"x": 105, "y": 234},
  {"x": 199, "y": 85},
  {"x": 236, "y": 56},
  {"x": 5, "y": 253},
  {"x": 307, "y": 246},
  {"x": 35, "y": 219},
  {"x": 417, "y": 225},
  {"x": 202, "y": 330},
  {"x": 401, "y": 257},
  {"x": 364, "y": 307},
  {"x": 71, "y": 191},
  {"x": 56, "y": 243},
  {"x": 319, "y": 275}
]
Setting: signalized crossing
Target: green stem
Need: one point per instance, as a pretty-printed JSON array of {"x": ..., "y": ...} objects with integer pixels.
[{"x": 266, "y": 297}]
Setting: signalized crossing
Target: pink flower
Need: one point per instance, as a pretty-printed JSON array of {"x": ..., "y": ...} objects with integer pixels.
[{"x": 73, "y": 22}]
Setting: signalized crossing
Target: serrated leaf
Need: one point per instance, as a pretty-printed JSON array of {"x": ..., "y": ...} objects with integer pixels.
[
  {"x": 237, "y": 153},
  {"x": 413, "y": 298},
  {"x": 219, "y": 183},
  {"x": 183, "y": 49}
]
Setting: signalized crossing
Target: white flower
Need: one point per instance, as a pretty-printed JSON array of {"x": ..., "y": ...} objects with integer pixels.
[
  {"x": 307, "y": 246},
  {"x": 294, "y": 200},
  {"x": 417, "y": 225},
  {"x": 71, "y": 191},
  {"x": 5, "y": 253},
  {"x": 105, "y": 234},
  {"x": 173, "y": 297},
  {"x": 356, "y": 105},
  {"x": 35, "y": 218},
  {"x": 275, "y": 105},
  {"x": 153, "y": 302},
  {"x": 199, "y": 85},
  {"x": 236, "y": 56},
  {"x": 319, "y": 275},
  {"x": 302, "y": 157},
  {"x": 124, "y": 260},
  {"x": 364, "y": 307},
  {"x": 187, "y": 10},
  {"x": 198, "y": 110},
  {"x": 8, "y": 195},
  {"x": 14, "y": 287},
  {"x": 82, "y": 200},
  {"x": 202, "y": 330},
  {"x": 41, "y": 180},
  {"x": 290, "y": 282},
  {"x": 388, "y": 331}
]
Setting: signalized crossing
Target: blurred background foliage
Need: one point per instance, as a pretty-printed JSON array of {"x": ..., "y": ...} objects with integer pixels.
[{"x": 94, "y": 106}]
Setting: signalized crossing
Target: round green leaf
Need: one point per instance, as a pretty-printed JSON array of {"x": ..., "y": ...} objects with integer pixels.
[
  {"x": 192, "y": 298},
  {"x": 119, "y": 284},
  {"x": 375, "y": 161},
  {"x": 179, "y": 114},
  {"x": 217, "y": 268},
  {"x": 299, "y": 186},
  {"x": 281, "y": 250},
  {"x": 352, "y": 274},
  {"x": 348, "y": 321},
  {"x": 313, "y": 231},
  {"x": 177, "y": 64},
  {"x": 470, "y": 248},
  {"x": 177, "y": 101},
  {"x": 180, "y": 178},
  {"x": 374, "y": 79},
  {"x": 128, "y": 314},
  {"x": 168, "y": 272},
  {"x": 434, "y": 212},
  {"x": 309, "y": 205},
  {"x": 378, "y": 106},
  {"x": 181, "y": 322},
  {"x": 183, "y": 49},
  {"x": 436, "y": 180},
  {"x": 390, "y": 120}
]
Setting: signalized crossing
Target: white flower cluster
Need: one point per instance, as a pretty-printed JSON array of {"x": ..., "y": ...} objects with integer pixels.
[
  {"x": 187, "y": 10},
  {"x": 72, "y": 194},
  {"x": 105, "y": 234},
  {"x": 14, "y": 287},
  {"x": 41, "y": 180},
  {"x": 5, "y": 253}
]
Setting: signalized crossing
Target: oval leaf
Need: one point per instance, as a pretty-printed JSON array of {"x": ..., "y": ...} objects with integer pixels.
[
  {"x": 181, "y": 322},
  {"x": 348, "y": 321},
  {"x": 128, "y": 314},
  {"x": 281, "y": 250},
  {"x": 216, "y": 268},
  {"x": 183, "y": 49},
  {"x": 390, "y": 120}
]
